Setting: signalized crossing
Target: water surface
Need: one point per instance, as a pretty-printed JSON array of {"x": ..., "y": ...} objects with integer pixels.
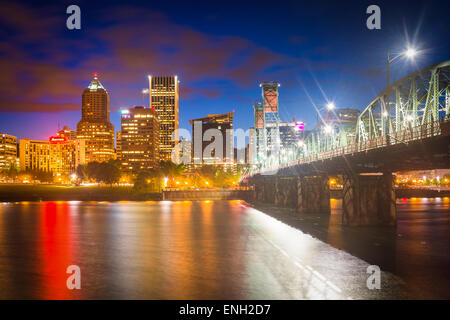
[{"x": 172, "y": 250}]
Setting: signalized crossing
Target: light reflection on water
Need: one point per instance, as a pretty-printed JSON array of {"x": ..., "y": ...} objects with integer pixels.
[
  {"x": 417, "y": 250},
  {"x": 169, "y": 250}
]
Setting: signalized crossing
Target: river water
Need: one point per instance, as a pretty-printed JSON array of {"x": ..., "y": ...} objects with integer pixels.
[{"x": 199, "y": 250}]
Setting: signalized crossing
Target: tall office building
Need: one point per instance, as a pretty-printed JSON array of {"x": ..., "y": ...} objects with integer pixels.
[
  {"x": 95, "y": 127},
  {"x": 220, "y": 122},
  {"x": 164, "y": 98},
  {"x": 8, "y": 151},
  {"x": 139, "y": 139}
]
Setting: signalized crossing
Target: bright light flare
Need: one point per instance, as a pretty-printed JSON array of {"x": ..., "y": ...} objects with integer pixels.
[
  {"x": 330, "y": 106},
  {"x": 410, "y": 53}
]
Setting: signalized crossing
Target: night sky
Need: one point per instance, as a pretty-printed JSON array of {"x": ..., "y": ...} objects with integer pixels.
[{"x": 221, "y": 51}]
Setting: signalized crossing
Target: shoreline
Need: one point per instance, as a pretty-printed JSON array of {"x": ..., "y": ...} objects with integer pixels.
[{"x": 19, "y": 192}]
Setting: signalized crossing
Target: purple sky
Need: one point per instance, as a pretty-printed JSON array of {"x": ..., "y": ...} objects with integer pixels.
[{"x": 220, "y": 51}]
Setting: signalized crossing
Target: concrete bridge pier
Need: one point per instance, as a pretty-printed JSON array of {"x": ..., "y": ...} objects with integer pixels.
[
  {"x": 258, "y": 191},
  {"x": 286, "y": 192},
  {"x": 368, "y": 200},
  {"x": 313, "y": 194},
  {"x": 265, "y": 189}
]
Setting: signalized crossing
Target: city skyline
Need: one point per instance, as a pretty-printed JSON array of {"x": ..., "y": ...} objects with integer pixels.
[{"x": 219, "y": 69}]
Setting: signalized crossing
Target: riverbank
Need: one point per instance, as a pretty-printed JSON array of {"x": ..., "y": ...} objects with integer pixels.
[
  {"x": 20, "y": 192},
  {"x": 42, "y": 192},
  {"x": 415, "y": 250}
]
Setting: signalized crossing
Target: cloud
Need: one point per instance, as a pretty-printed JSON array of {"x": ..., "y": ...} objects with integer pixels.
[
  {"x": 40, "y": 61},
  {"x": 35, "y": 106}
]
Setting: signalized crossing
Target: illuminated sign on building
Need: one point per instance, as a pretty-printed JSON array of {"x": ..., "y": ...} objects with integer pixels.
[{"x": 57, "y": 139}]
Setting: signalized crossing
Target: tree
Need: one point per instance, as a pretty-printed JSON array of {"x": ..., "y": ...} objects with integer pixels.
[
  {"x": 40, "y": 175},
  {"x": 170, "y": 169},
  {"x": 148, "y": 180},
  {"x": 11, "y": 171},
  {"x": 82, "y": 172},
  {"x": 106, "y": 172}
]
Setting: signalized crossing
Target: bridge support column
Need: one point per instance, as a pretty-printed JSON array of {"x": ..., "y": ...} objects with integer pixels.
[
  {"x": 286, "y": 192},
  {"x": 369, "y": 200},
  {"x": 265, "y": 189},
  {"x": 313, "y": 194},
  {"x": 259, "y": 191}
]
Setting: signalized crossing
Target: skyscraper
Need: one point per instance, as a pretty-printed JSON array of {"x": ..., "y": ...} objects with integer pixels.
[
  {"x": 164, "y": 98},
  {"x": 95, "y": 127},
  {"x": 139, "y": 139}
]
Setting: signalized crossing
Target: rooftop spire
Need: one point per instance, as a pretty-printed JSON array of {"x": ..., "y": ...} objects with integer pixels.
[{"x": 95, "y": 83}]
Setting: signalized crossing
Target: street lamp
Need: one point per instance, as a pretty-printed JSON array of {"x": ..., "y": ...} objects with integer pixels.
[
  {"x": 328, "y": 129},
  {"x": 409, "y": 53},
  {"x": 329, "y": 106}
]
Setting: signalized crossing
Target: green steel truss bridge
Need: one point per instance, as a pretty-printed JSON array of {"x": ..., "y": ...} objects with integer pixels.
[{"x": 408, "y": 120}]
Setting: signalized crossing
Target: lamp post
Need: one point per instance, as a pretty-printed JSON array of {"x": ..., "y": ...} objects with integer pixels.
[
  {"x": 409, "y": 53},
  {"x": 329, "y": 106},
  {"x": 327, "y": 129}
]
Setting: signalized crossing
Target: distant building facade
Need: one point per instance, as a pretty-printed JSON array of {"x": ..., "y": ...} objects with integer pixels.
[
  {"x": 185, "y": 148},
  {"x": 8, "y": 151},
  {"x": 164, "y": 96},
  {"x": 344, "y": 118},
  {"x": 67, "y": 133},
  {"x": 139, "y": 139},
  {"x": 118, "y": 144},
  {"x": 223, "y": 123},
  {"x": 290, "y": 134},
  {"x": 95, "y": 127},
  {"x": 58, "y": 155}
]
